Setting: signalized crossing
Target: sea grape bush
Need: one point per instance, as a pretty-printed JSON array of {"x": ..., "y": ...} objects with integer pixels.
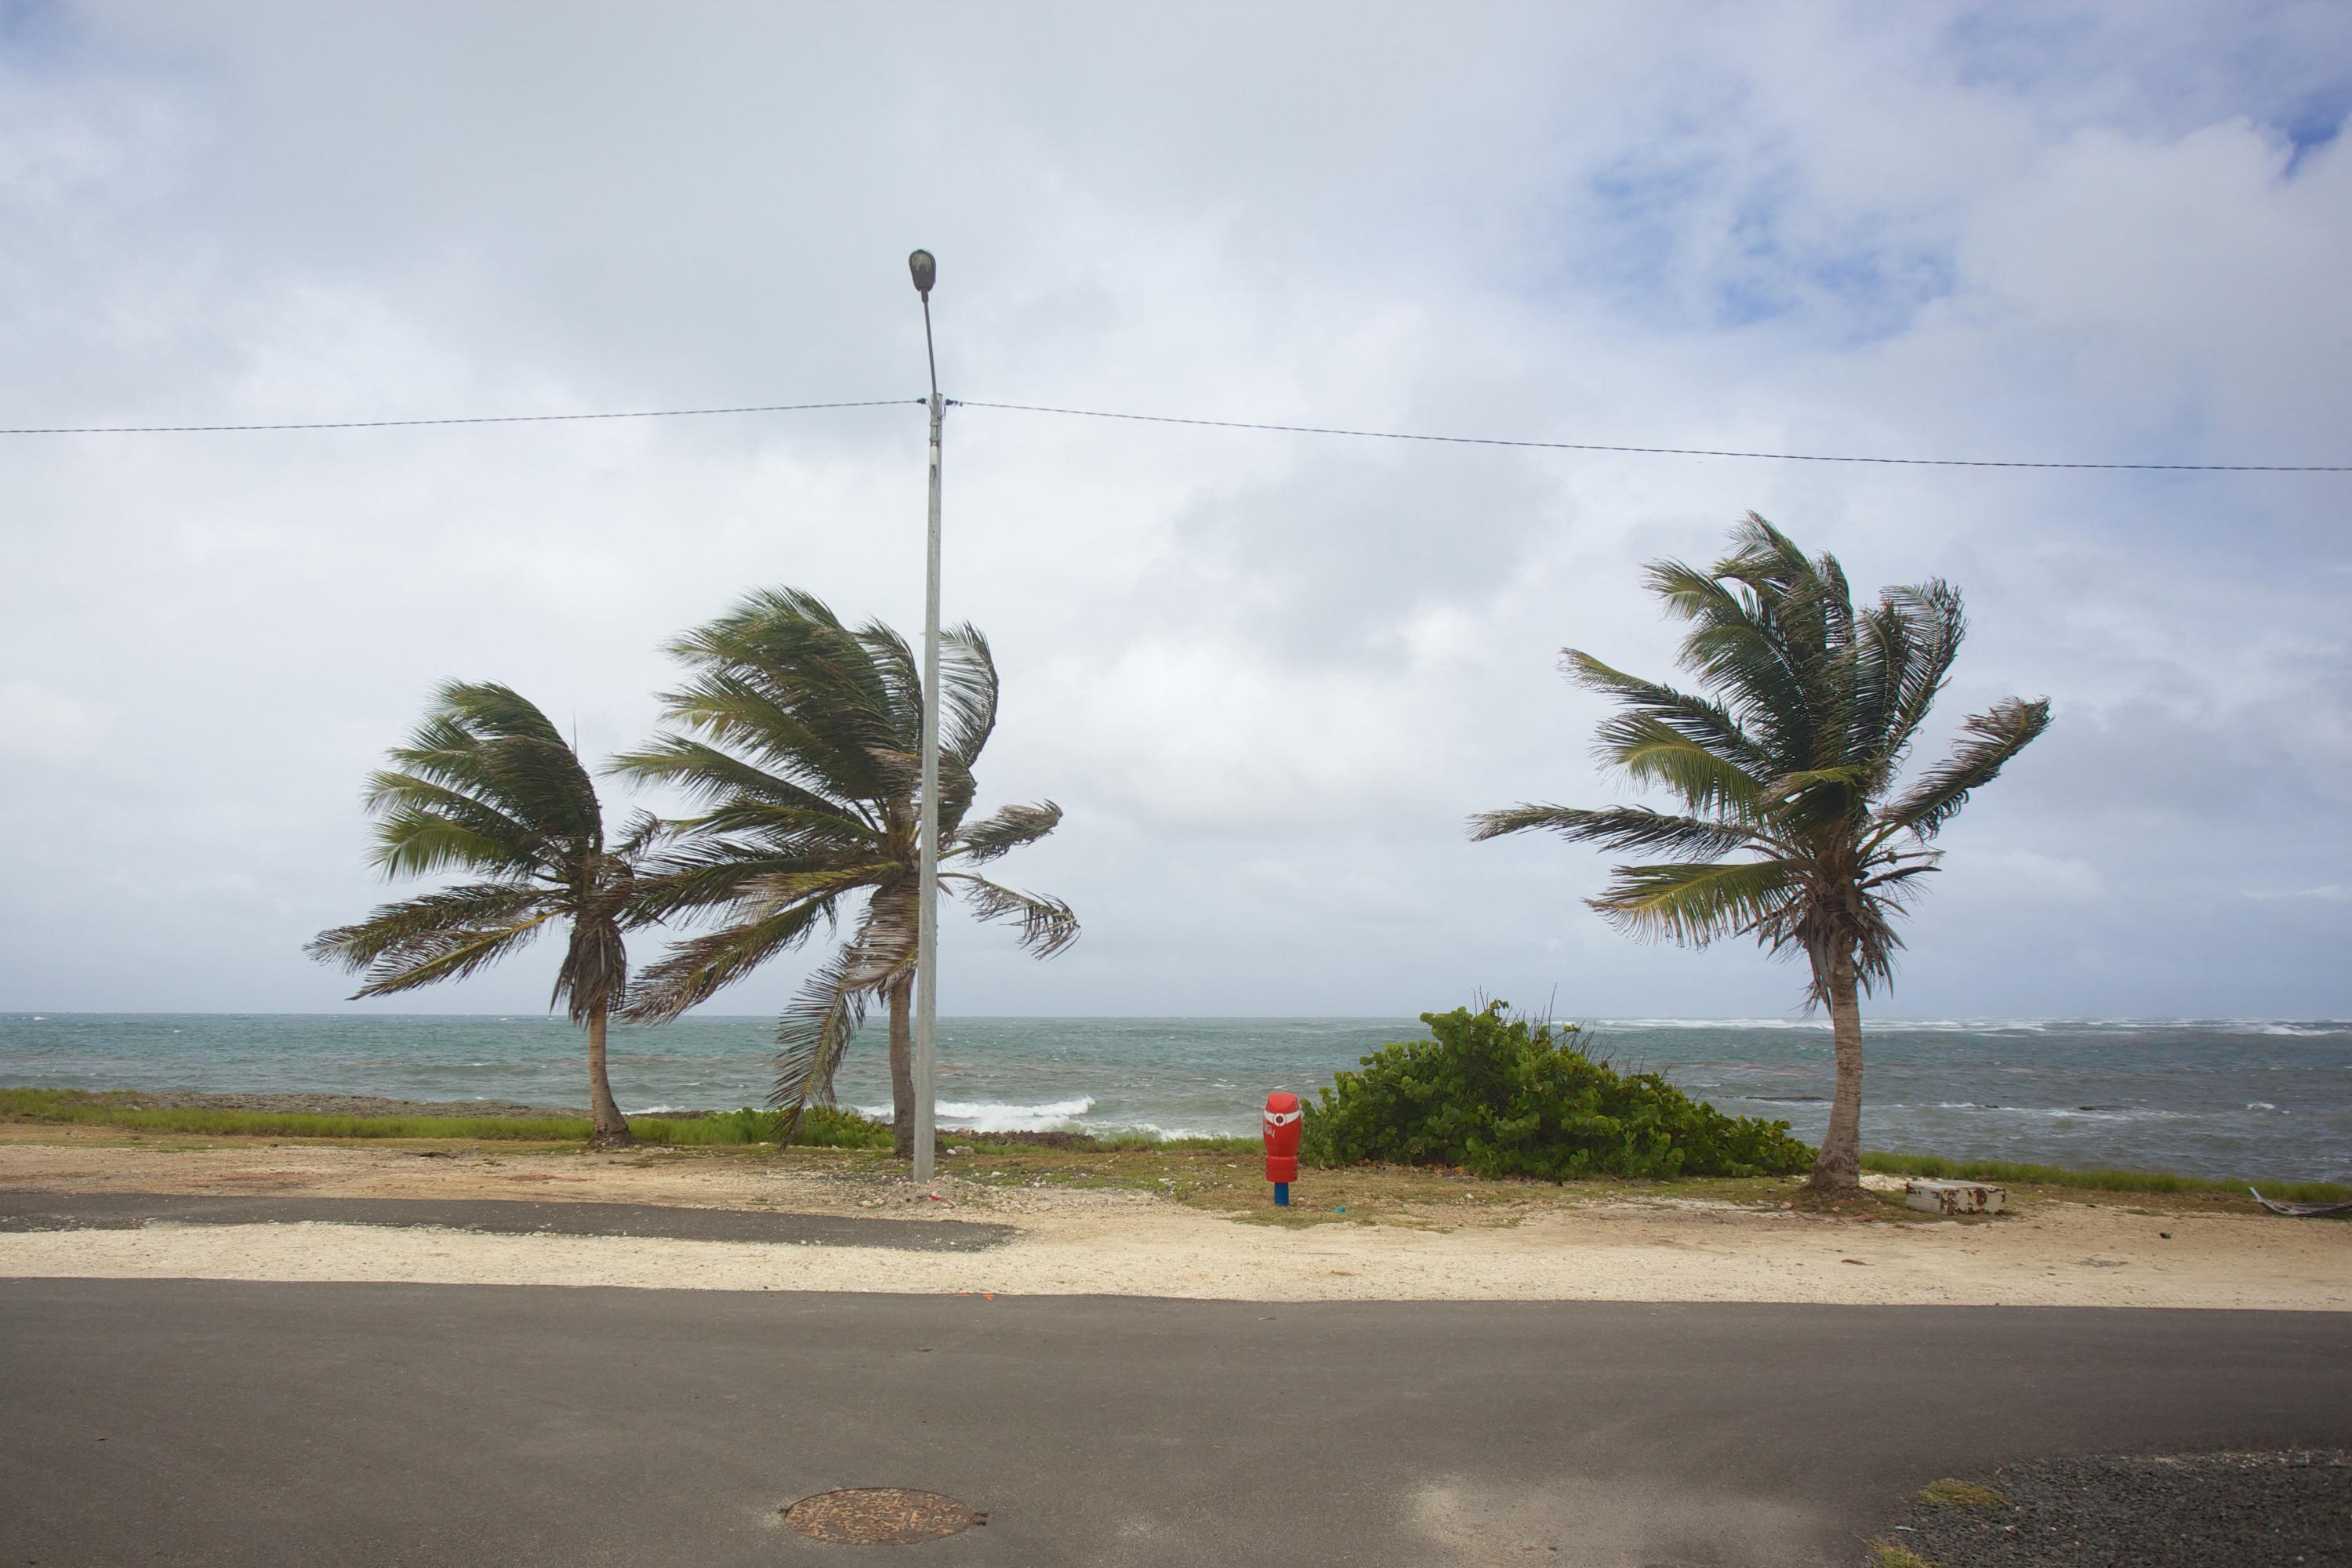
[{"x": 1500, "y": 1097}]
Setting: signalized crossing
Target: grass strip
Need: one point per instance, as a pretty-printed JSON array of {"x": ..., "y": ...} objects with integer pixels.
[
  {"x": 827, "y": 1128},
  {"x": 2009, "y": 1173},
  {"x": 822, "y": 1127}
]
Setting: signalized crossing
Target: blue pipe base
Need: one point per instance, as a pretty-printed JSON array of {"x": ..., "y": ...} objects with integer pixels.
[{"x": 1282, "y": 1194}]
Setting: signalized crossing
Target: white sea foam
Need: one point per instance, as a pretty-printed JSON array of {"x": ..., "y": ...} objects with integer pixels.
[
  {"x": 2056, "y": 1112},
  {"x": 1153, "y": 1129},
  {"x": 998, "y": 1116},
  {"x": 1813, "y": 1024}
]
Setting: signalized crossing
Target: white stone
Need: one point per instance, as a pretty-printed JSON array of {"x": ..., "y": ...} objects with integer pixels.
[{"x": 1954, "y": 1197}]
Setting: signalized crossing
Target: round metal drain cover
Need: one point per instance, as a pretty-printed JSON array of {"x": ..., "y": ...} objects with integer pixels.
[{"x": 880, "y": 1516}]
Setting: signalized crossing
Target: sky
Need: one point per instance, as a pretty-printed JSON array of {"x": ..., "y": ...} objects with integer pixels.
[{"x": 1267, "y": 675}]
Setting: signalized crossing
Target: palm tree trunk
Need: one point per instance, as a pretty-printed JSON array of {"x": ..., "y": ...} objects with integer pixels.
[
  {"x": 607, "y": 1126},
  {"x": 1837, "y": 1171},
  {"x": 902, "y": 1070}
]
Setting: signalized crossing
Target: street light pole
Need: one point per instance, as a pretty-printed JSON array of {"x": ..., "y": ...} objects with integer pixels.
[{"x": 927, "y": 930}]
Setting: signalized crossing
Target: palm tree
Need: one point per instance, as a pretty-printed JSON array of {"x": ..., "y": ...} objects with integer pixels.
[
  {"x": 802, "y": 742},
  {"x": 1792, "y": 830},
  {"x": 486, "y": 785}
]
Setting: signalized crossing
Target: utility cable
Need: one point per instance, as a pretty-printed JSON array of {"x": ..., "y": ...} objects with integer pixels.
[
  {"x": 1198, "y": 424},
  {"x": 476, "y": 419},
  {"x": 1667, "y": 452}
]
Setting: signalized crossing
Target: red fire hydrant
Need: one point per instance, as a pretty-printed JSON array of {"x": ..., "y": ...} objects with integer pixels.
[{"x": 1282, "y": 1129}]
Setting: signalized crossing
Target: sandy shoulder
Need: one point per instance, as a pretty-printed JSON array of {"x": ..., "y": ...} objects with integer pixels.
[{"x": 1113, "y": 1243}]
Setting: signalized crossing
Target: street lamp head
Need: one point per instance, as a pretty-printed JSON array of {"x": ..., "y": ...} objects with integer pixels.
[{"x": 926, "y": 270}]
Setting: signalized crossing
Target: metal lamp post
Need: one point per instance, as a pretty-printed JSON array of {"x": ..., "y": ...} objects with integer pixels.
[{"x": 925, "y": 269}]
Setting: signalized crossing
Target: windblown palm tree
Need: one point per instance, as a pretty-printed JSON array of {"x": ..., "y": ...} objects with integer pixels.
[
  {"x": 486, "y": 785},
  {"x": 1793, "y": 829},
  {"x": 803, "y": 741}
]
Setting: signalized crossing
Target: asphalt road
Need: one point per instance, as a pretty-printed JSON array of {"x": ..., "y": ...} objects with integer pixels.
[
  {"x": 26, "y": 1209},
  {"x": 190, "y": 1422}
]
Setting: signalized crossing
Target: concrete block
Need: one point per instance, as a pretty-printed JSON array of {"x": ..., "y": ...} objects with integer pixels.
[{"x": 1953, "y": 1197}]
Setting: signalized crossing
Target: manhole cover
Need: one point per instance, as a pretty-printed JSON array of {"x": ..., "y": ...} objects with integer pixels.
[{"x": 880, "y": 1516}]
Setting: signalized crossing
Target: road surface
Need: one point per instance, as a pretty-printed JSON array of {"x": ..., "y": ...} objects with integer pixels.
[{"x": 221, "y": 1423}]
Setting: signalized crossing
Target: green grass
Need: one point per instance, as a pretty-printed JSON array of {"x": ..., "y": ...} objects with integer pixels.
[
  {"x": 822, "y": 1128},
  {"x": 2009, "y": 1173},
  {"x": 1204, "y": 1145},
  {"x": 826, "y": 1128},
  {"x": 1886, "y": 1555},
  {"x": 1953, "y": 1492}
]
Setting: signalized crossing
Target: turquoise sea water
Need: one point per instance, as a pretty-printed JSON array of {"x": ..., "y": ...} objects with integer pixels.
[{"x": 2269, "y": 1098}]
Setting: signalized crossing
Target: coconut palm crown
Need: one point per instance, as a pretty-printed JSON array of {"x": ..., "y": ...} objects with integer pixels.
[
  {"x": 1792, "y": 828},
  {"x": 800, "y": 738},
  {"x": 487, "y": 786}
]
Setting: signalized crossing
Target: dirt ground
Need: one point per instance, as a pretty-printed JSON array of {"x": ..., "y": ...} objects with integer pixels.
[{"x": 1187, "y": 1226}]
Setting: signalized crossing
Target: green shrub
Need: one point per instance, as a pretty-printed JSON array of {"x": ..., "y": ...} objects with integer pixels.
[
  {"x": 829, "y": 1127},
  {"x": 1501, "y": 1097}
]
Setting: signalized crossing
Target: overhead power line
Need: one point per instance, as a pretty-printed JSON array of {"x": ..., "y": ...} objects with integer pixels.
[
  {"x": 1525, "y": 443},
  {"x": 471, "y": 419},
  {"x": 1667, "y": 451}
]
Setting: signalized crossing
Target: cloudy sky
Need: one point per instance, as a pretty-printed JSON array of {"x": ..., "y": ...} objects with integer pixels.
[{"x": 1268, "y": 675}]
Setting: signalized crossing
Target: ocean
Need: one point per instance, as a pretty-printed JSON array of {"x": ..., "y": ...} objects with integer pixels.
[{"x": 2258, "y": 1098}]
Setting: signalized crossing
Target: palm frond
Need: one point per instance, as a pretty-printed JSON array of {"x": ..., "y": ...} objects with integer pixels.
[
  {"x": 419, "y": 840},
  {"x": 487, "y": 741},
  {"x": 812, "y": 1034},
  {"x": 1697, "y": 719},
  {"x": 1005, "y": 831},
  {"x": 392, "y": 928},
  {"x": 709, "y": 775},
  {"x": 1737, "y": 650},
  {"x": 1653, "y": 752},
  {"x": 1992, "y": 738},
  {"x": 452, "y": 953},
  {"x": 639, "y": 835},
  {"x": 891, "y": 684},
  {"x": 1788, "y": 786},
  {"x": 825, "y": 1016},
  {"x": 793, "y": 720},
  {"x": 1619, "y": 828},
  {"x": 707, "y": 876},
  {"x": 1934, "y": 625},
  {"x": 1695, "y": 904},
  {"x": 968, "y": 695},
  {"x": 699, "y": 967},
  {"x": 1047, "y": 925}
]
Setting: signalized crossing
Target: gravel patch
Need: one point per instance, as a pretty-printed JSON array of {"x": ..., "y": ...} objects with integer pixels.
[{"x": 2200, "y": 1510}]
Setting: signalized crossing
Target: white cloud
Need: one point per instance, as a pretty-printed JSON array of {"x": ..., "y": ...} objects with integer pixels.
[
  {"x": 1268, "y": 676},
  {"x": 2002, "y": 877},
  {"x": 39, "y": 723}
]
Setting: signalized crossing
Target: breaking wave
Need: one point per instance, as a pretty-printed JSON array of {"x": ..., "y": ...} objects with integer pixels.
[{"x": 1001, "y": 1116}]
